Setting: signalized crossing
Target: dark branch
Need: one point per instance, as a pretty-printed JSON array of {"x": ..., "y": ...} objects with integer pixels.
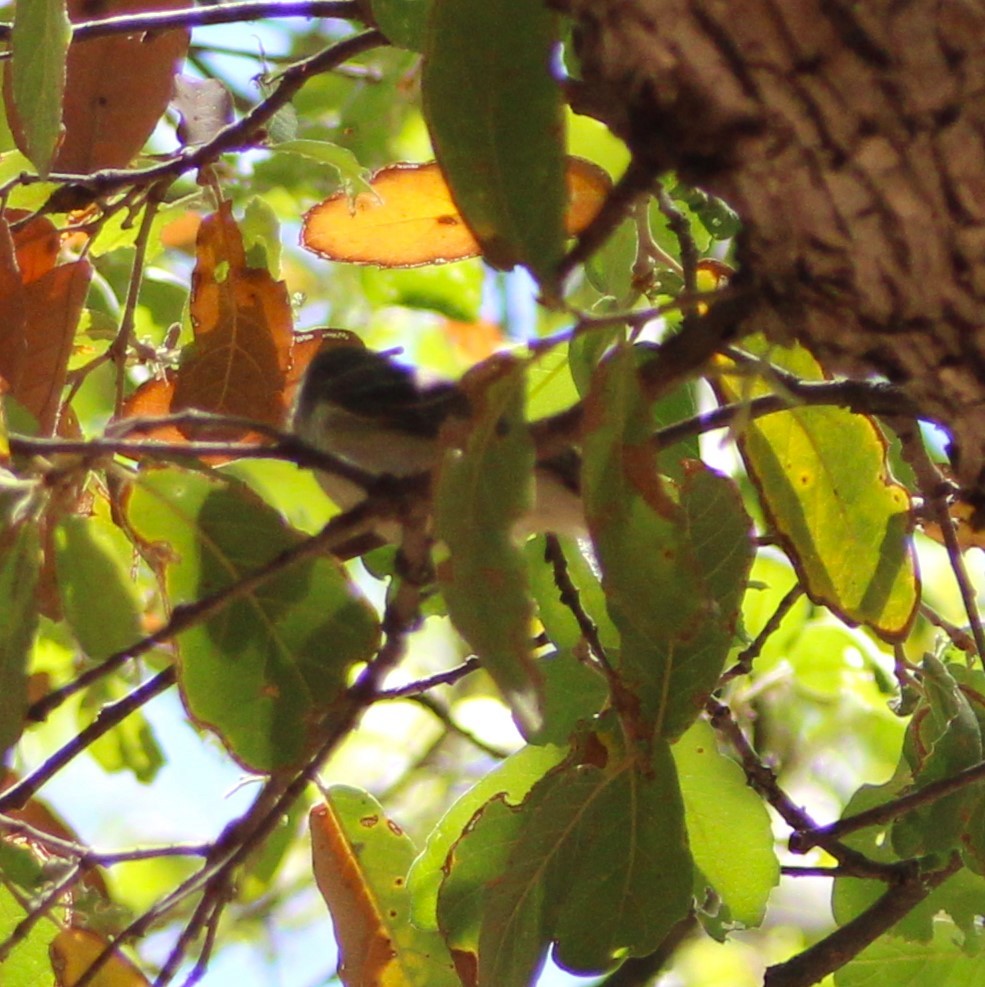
[
  {"x": 837, "y": 949},
  {"x": 190, "y": 17}
]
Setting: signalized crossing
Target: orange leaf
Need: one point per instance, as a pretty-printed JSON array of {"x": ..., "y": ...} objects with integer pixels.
[
  {"x": 244, "y": 341},
  {"x": 409, "y": 218},
  {"x": 243, "y": 330},
  {"x": 363, "y": 940},
  {"x": 73, "y": 951},
  {"x": 40, "y": 306}
]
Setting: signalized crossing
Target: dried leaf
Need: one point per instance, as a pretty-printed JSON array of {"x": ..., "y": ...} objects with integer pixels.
[
  {"x": 205, "y": 107},
  {"x": 360, "y": 861},
  {"x": 244, "y": 341},
  {"x": 409, "y": 218},
  {"x": 41, "y": 305}
]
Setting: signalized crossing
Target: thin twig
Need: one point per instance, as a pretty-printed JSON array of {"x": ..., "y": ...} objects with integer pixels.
[
  {"x": 442, "y": 713},
  {"x": 39, "y": 909},
  {"x": 958, "y": 636},
  {"x": 571, "y": 598},
  {"x": 743, "y": 663},
  {"x": 763, "y": 780},
  {"x": 337, "y": 531},
  {"x": 636, "y": 179},
  {"x": 934, "y": 488},
  {"x": 229, "y": 12},
  {"x": 803, "y": 840},
  {"x": 421, "y": 686},
  {"x": 77, "y": 191},
  {"x": 680, "y": 227},
  {"x": 120, "y": 346},
  {"x": 108, "y": 717}
]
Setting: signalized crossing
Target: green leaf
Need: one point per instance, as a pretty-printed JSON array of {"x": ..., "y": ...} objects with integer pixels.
[
  {"x": 497, "y": 124},
  {"x": 728, "y": 826},
  {"x": 402, "y": 21},
  {"x": 483, "y": 491},
  {"x": 824, "y": 484},
  {"x": 19, "y": 566},
  {"x": 351, "y": 173},
  {"x": 573, "y": 693},
  {"x": 360, "y": 861},
  {"x": 265, "y": 668},
  {"x": 474, "y": 863},
  {"x": 130, "y": 745},
  {"x": 92, "y": 562},
  {"x": 943, "y": 738},
  {"x": 890, "y": 960},
  {"x": 674, "y": 558},
  {"x": 39, "y": 45},
  {"x": 261, "y": 236},
  {"x": 28, "y": 964},
  {"x": 600, "y": 868},
  {"x": 512, "y": 780}
]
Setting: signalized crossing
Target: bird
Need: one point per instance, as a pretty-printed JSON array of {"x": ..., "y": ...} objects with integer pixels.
[{"x": 371, "y": 411}]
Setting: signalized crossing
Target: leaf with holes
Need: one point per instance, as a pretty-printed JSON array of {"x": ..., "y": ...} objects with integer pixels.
[{"x": 360, "y": 860}]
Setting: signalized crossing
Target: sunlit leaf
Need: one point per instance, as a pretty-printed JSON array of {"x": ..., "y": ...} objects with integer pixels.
[
  {"x": 360, "y": 861},
  {"x": 728, "y": 826},
  {"x": 35, "y": 77},
  {"x": 263, "y": 670},
  {"x": 512, "y": 780},
  {"x": 409, "y": 218},
  {"x": 504, "y": 158},
  {"x": 351, "y": 173},
  {"x": 824, "y": 484},
  {"x": 73, "y": 951},
  {"x": 483, "y": 490},
  {"x": 940, "y": 962},
  {"x": 19, "y": 567},
  {"x": 28, "y": 964}
]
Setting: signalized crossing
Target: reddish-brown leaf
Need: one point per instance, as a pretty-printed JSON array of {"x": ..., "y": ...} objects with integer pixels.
[
  {"x": 244, "y": 347},
  {"x": 243, "y": 330},
  {"x": 40, "y": 304},
  {"x": 116, "y": 90},
  {"x": 409, "y": 218}
]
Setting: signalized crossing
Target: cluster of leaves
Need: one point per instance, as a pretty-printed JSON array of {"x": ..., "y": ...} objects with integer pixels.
[{"x": 157, "y": 530}]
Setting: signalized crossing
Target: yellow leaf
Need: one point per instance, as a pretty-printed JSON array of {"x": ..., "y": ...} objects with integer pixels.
[
  {"x": 409, "y": 218},
  {"x": 73, "y": 951}
]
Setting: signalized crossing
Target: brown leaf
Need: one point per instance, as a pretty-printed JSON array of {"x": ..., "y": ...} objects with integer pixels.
[
  {"x": 116, "y": 89},
  {"x": 244, "y": 347},
  {"x": 243, "y": 330},
  {"x": 409, "y": 219},
  {"x": 40, "y": 306}
]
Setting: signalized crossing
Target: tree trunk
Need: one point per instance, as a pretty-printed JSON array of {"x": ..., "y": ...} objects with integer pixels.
[{"x": 850, "y": 137}]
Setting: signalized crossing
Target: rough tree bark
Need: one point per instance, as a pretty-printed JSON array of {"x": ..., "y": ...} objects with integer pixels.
[{"x": 850, "y": 137}]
